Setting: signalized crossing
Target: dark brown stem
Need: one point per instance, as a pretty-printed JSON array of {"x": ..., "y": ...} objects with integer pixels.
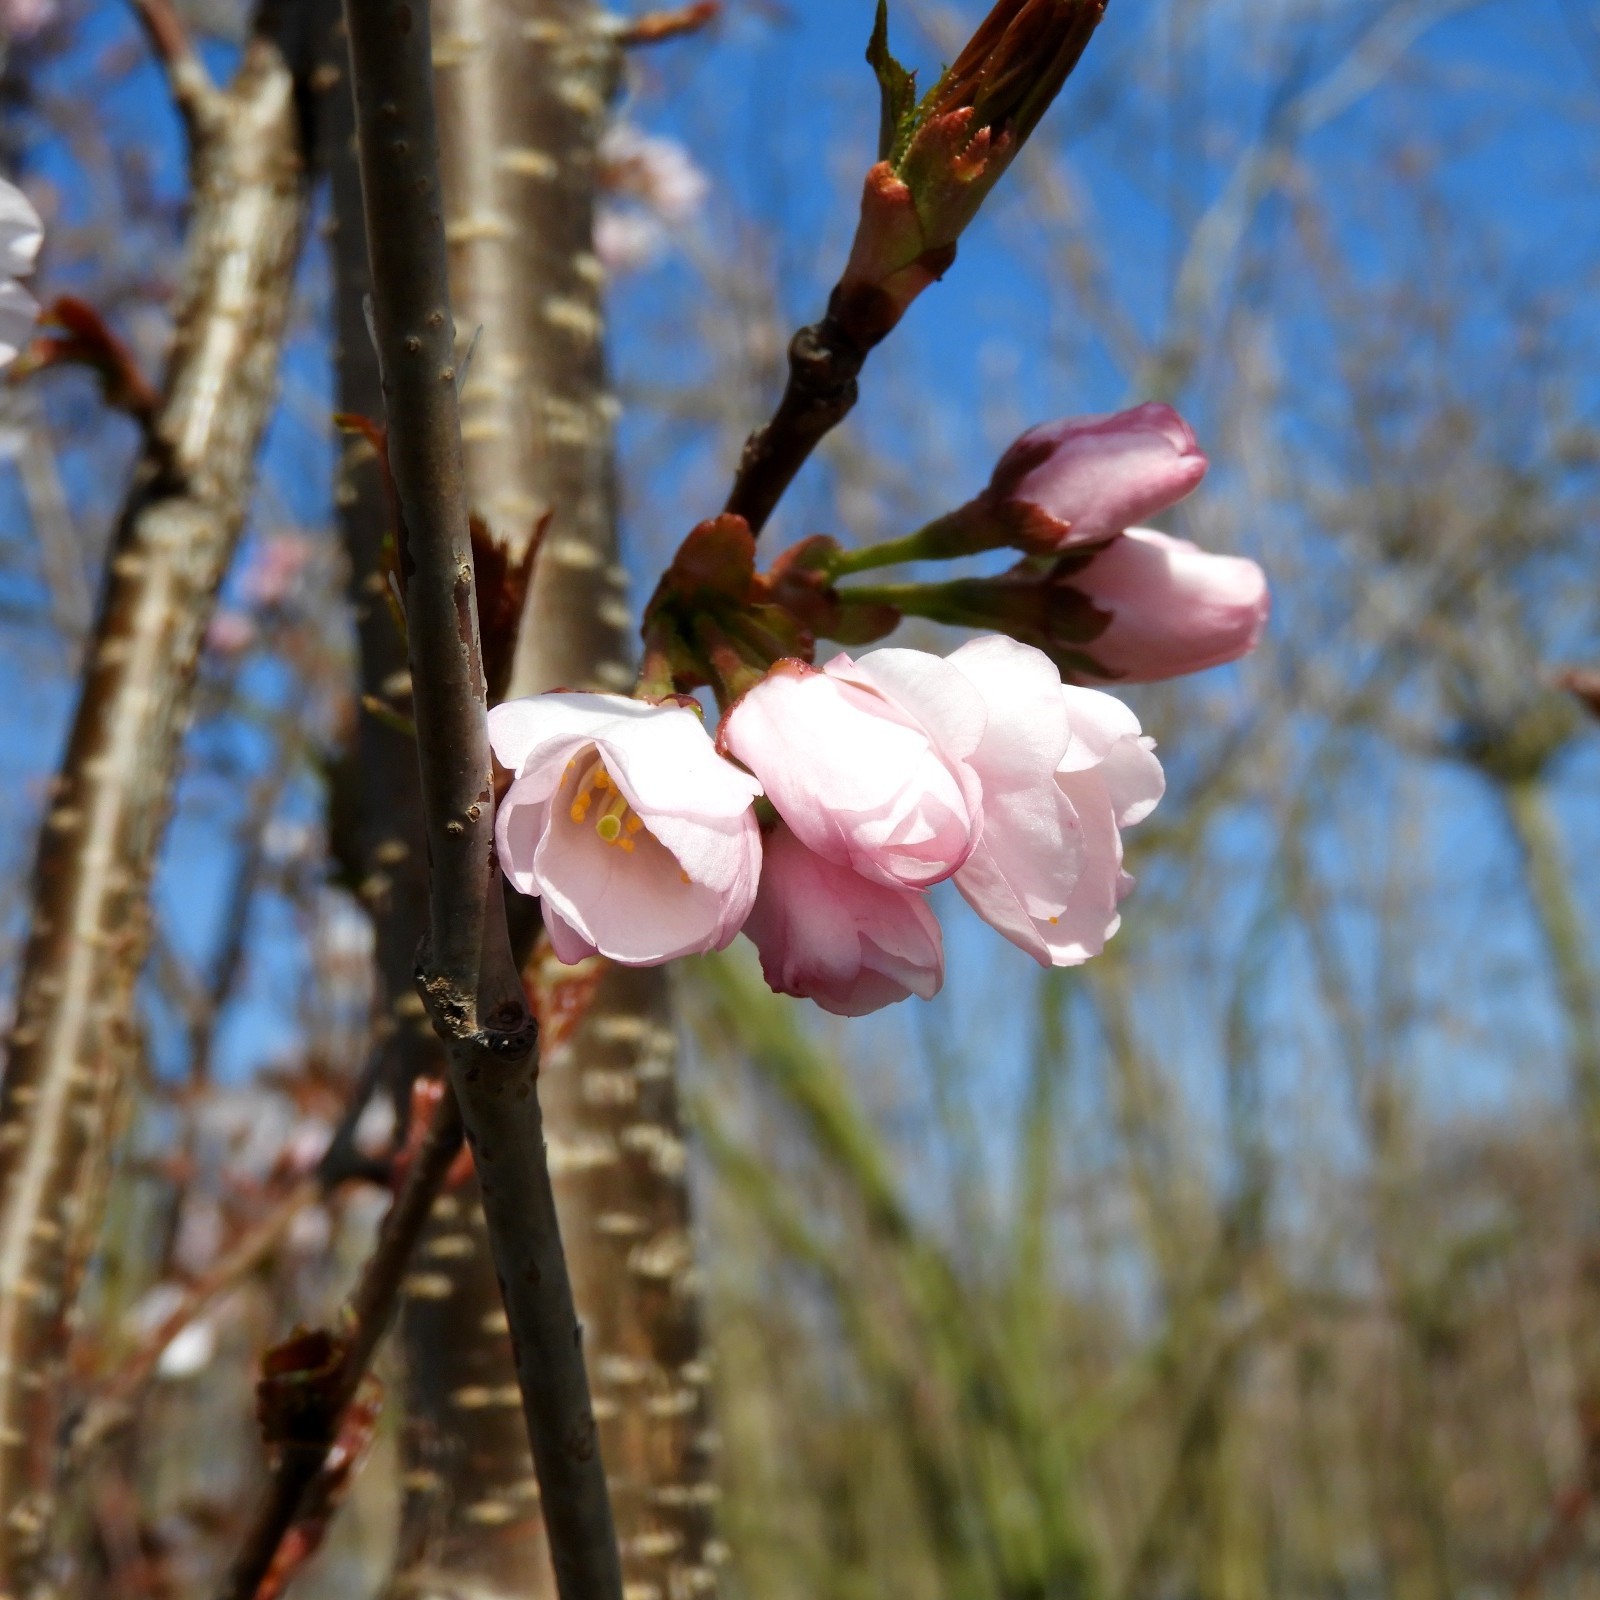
[
  {"x": 824, "y": 364},
  {"x": 365, "y": 1320},
  {"x": 468, "y": 980},
  {"x": 74, "y": 1045}
]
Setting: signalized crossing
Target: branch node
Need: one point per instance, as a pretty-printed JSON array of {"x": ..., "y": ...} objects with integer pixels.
[
  {"x": 656, "y": 26},
  {"x": 200, "y": 102}
]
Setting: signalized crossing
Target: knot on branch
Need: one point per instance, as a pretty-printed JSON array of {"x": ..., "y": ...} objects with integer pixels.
[
  {"x": 824, "y": 363},
  {"x": 508, "y": 1034}
]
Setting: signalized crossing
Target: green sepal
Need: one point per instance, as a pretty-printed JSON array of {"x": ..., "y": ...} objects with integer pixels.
[{"x": 897, "y": 89}]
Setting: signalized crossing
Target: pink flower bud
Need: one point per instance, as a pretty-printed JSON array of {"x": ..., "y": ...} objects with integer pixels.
[
  {"x": 1083, "y": 480},
  {"x": 827, "y": 934},
  {"x": 1063, "y": 770},
  {"x": 1174, "y": 607},
  {"x": 867, "y": 761},
  {"x": 638, "y": 837}
]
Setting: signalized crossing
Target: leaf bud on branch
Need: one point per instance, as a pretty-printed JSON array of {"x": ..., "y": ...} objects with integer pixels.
[{"x": 940, "y": 157}]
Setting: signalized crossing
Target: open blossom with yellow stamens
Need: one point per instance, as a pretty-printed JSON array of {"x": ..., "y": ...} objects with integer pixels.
[{"x": 638, "y": 837}]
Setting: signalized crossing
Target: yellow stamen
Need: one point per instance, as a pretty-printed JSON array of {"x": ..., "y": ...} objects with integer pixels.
[{"x": 617, "y": 822}]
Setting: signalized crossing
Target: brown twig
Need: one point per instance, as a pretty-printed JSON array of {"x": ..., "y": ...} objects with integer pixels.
[
  {"x": 824, "y": 364},
  {"x": 655, "y": 26},
  {"x": 364, "y": 1321},
  {"x": 113, "y": 1405},
  {"x": 467, "y": 977},
  {"x": 203, "y": 106}
]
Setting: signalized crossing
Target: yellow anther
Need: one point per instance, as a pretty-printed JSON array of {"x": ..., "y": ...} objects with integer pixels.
[{"x": 617, "y": 822}]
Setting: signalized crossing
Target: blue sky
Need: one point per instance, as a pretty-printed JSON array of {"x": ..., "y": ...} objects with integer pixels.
[{"x": 1494, "y": 103}]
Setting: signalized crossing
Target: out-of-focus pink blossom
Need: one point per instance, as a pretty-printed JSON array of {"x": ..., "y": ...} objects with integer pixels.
[
  {"x": 1083, "y": 480},
  {"x": 657, "y": 172},
  {"x": 867, "y": 761},
  {"x": 230, "y": 633},
  {"x": 1063, "y": 770},
  {"x": 1174, "y": 607},
  {"x": 21, "y": 19},
  {"x": 627, "y": 240},
  {"x": 827, "y": 934},
  {"x": 21, "y": 234},
  {"x": 274, "y": 568},
  {"x": 638, "y": 837}
]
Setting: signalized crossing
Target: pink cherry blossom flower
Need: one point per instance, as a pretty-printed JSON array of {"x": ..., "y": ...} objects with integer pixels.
[
  {"x": 1174, "y": 607},
  {"x": 230, "y": 633},
  {"x": 627, "y": 240},
  {"x": 867, "y": 761},
  {"x": 659, "y": 172},
  {"x": 827, "y": 934},
  {"x": 21, "y": 234},
  {"x": 1140, "y": 609},
  {"x": 638, "y": 837},
  {"x": 1083, "y": 480},
  {"x": 1064, "y": 770},
  {"x": 21, "y": 19},
  {"x": 275, "y": 566}
]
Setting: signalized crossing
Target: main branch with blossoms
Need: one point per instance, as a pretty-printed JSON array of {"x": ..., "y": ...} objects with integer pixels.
[
  {"x": 830, "y": 800},
  {"x": 833, "y": 792}
]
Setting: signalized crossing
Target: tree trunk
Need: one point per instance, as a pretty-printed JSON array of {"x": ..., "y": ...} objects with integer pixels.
[{"x": 73, "y": 1048}]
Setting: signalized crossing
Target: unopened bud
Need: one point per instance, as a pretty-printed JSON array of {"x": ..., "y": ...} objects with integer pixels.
[
  {"x": 940, "y": 157},
  {"x": 1142, "y": 608}
]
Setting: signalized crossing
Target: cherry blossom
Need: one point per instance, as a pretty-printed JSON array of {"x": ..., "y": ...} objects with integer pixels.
[
  {"x": 1063, "y": 770},
  {"x": 827, "y": 934},
  {"x": 867, "y": 761},
  {"x": 638, "y": 837},
  {"x": 1174, "y": 607}
]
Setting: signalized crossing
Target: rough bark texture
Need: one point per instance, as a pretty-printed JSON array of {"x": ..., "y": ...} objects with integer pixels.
[
  {"x": 72, "y": 1050},
  {"x": 523, "y": 90}
]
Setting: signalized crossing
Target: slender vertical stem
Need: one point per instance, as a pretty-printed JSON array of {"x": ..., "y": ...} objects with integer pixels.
[{"x": 469, "y": 982}]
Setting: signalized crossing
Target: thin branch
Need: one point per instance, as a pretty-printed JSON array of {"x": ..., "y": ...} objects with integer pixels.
[
  {"x": 365, "y": 1320},
  {"x": 468, "y": 979},
  {"x": 656, "y": 26},
  {"x": 203, "y": 106},
  {"x": 824, "y": 365},
  {"x": 113, "y": 1406}
]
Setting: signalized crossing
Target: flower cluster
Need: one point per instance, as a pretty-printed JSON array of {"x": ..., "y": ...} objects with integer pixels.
[
  {"x": 833, "y": 798},
  {"x": 1107, "y": 600},
  {"x": 881, "y": 777}
]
